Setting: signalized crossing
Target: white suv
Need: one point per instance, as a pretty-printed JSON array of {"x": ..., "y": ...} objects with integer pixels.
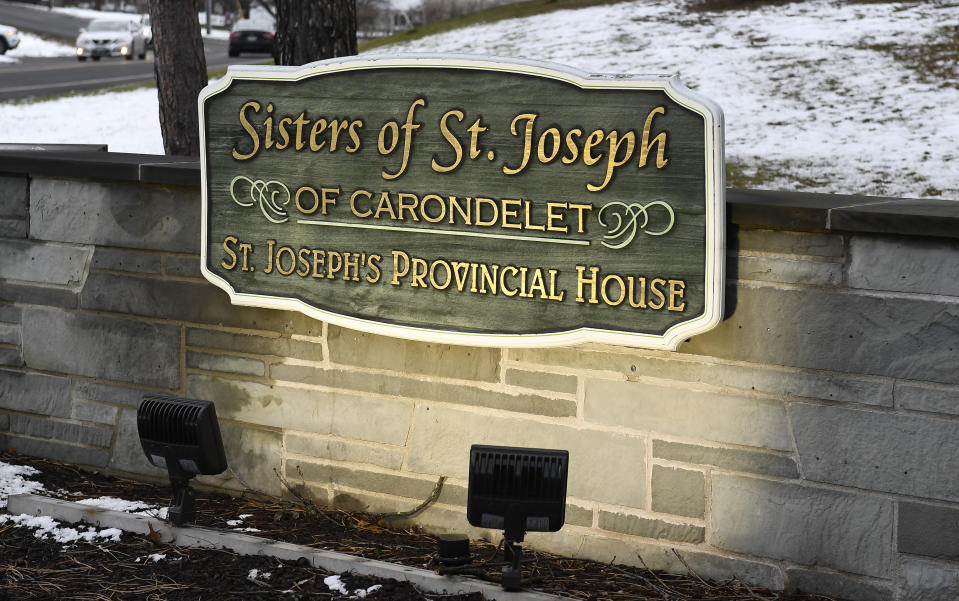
[
  {"x": 9, "y": 38},
  {"x": 111, "y": 37}
]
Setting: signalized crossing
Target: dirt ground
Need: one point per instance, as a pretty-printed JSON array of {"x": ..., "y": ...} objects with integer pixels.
[{"x": 31, "y": 568}]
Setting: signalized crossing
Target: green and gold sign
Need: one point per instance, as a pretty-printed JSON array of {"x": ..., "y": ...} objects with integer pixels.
[{"x": 466, "y": 200}]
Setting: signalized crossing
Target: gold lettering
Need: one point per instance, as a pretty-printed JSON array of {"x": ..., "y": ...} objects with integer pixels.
[
  {"x": 541, "y": 153},
  {"x": 408, "y": 202},
  {"x": 479, "y": 212},
  {"x": 397, "y": 272},
  {"x": 268, "y": 125},
  {"x": 509, "y": 213},
  {"x": 459, "y": 271},
  {"x": 393, "y": 129},
  {"x": 552, "y": 217},
  {"x": 316, "y": 200},
  {"x": 488, "y": 276},
  {"x": 269, "y": 256},
  {"x": 300, "y": 122},
  {"x": 279, "y": 257},
  {"x": 659, "y": 140},
  {"x": 527, "y": 141},
  {"x": 453, "y": 142},
  {"x": 319, "y": 261},
  {"x": 409, "y": 127},
  {"x": 677, "y": 289},
  {"x": 351, "y": 267},
  {"x": 466, "y": 213},
  {"x": 284, "y": 135},
  {"x": 250, "y": 130},
  {"x": 582, "y": 282},
  {"x": 326, "y": 198},
  {"x": 528, "y": 205},
  {"x": 334, "y": 263},
  {"x": 573, "y": 147},
  {"x": 475, "y": 130},
  {"x": 592, "y": 141},
  {"x": 553, "y": 276},
  {"x": 580, "y": 221},
  {"x": 656, "y": 292},
  {"x": 385, "y": 205},
  {"x": 304, "y": 269},
  {"x": 622, "y": 290},
  {"x": 537, "y": 285},
  {"x": 613, "y": 163},
  {"x": 336, "y": 128},
  {"x": 449, "y": 274},
  {"x": 420, "y": 270},
  {"x": 319, "y": 126},
  {"x": 502, "y": 281},
  {"x": 373, "y": 264},
  {"x": 246, "y": 248},
  {"x": 227, "y": 242},
  {"x": 354, "y": 136},
  {"x": 641, "y": 303},
  {"x": 353, "y": 196},
  {"x": 426, "y": 215}
]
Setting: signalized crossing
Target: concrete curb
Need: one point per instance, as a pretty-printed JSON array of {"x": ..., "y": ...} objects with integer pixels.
[{"x": 66, "y": 511}]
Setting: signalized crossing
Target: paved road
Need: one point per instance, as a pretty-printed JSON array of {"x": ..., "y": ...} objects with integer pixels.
[
  {"x": 49, "y": 24},
  {"x": 38, "y": 77}
]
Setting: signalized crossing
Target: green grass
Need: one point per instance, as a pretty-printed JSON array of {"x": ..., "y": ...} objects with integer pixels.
[
  {"x": 528, "y": 8},
  {"x": 718, "y": 5},
  {"x": 128, "y": 87},
  {"x": 934, "y": 61},
  {"x": 762, "y": 174}
]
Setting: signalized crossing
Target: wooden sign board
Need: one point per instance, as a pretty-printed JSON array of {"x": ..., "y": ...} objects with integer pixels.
[{"x": 466, "y": 200}]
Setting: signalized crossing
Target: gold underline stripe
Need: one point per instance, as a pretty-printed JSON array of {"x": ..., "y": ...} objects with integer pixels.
[{"x": 417, "y": 230}]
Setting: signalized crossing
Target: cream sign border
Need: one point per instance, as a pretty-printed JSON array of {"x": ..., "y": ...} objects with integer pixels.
[{"x": 715, "y": 199}]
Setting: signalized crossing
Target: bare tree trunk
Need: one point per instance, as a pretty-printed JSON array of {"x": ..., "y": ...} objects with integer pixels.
[
  {"x": 311, "y": 30},
  {"x": 180, "y": 67}
]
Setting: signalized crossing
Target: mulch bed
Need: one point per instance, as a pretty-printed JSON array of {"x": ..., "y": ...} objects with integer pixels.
[{"x": 31, "y": 568}]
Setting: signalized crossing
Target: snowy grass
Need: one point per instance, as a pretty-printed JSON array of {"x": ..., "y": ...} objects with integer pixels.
[
  {"x": 126, "y": 121},
  {"x": 822, "y": 96},
  {"x": 512, "y": 10},
  {"x": 818, "y": 95},
  {"x": 32, "y": 45}
]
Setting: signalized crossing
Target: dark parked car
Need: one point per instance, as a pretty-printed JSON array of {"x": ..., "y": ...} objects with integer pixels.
[{"x": 251, "y": 36}]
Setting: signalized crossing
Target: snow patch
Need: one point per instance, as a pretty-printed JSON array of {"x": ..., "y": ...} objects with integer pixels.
[
  {"x": 48, "y": 528},
  {"x": 116, "y": 504},
  {"x": 134, "y": 507},
  {"x": 126, "y": 121},
  {"x": 35, "y": 46},
  {"x": 14, "y": 482},
  {"x": 336, "y": 584}
]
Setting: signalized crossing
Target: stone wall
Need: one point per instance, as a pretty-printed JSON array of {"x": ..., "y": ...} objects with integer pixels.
[{"x": 811, "y": 441}]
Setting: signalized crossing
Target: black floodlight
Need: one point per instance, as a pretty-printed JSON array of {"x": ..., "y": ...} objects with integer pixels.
[
  {"x": 516, "y": 490},
  {"x": 183, "y": 436}
]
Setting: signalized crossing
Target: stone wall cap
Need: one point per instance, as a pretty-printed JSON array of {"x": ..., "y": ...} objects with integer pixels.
[
  {"x": 843, "y": 213},
  {"x": 750, "y": 208},
  {"x": 114, "y": 166}
]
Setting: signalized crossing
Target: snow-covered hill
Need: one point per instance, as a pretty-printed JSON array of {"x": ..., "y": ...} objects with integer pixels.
[
  {"x": 820, "y": 95},
  {"x": 812, "y": 91}
]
